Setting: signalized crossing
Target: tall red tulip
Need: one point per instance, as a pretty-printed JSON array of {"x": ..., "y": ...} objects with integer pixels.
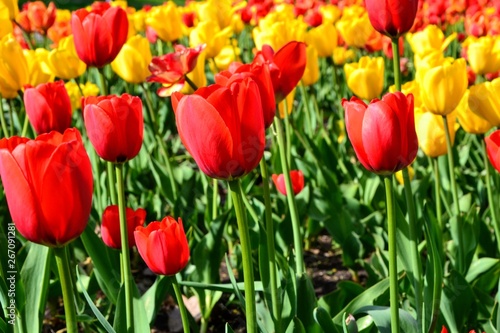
[
  {"x": 48, "y": 107},
  {"x": 493, "y": 149},
  {"x": 383, "y": 132},
  {"x": 261, "y": 75},
  {"x": 110, "y": 226},
  {"x": 222, "y": 128},
  {"x": 163, "y": 246},
  {"x": 287, "y": 66},
  {"x": 48, "y": 184},
  {"x": 297, "y": 178},
  {"x": 99, "y": 34},
  {"x": 114, "y": 125},
  {"x": 392, "y": 18}
]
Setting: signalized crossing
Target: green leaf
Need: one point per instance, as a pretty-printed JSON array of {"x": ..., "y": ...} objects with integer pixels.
[
  {"x": 296, "y": 326},
  {"x": 141, "y": 322},
  {"x": 229, "y": 329},
  {"x": 457, "y": 303},
  {"x": 223, "y": 287},
  {"x": 479, "y": 267},
  {"x": 306, "y": 302},
  {"x": 154, "y": 297},
  {"x": 324, "y": 320},
  {"x": 382, "y": 317},
  {"x": 35, "y": 278}
]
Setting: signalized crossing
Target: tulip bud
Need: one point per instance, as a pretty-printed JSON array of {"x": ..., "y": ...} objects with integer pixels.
[
  {"x": 110, "y": 226},
  {"x": 392, "y": 17},
  {"x": 297, "y": 178}
]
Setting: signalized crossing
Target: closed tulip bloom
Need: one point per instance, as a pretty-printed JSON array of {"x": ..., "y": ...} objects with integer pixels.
[
  {"x": 410, "y": 87},
  {"x": 99, "y": 35},
  {"x": 63, "y": 62},
  {"x": 324, "y": 39},
  {"x": 14, "y": 71},
  {"x": 354, "y": 26},
  {"x": 115, "y": 126},
  {"x": 471, "y": 122},
  {"x": 48, "y": 107},
  {"x": 392, "y": 17},
  {"x": 36, "y": 60},
  {"x": 41, "y": 17},
  {"x": 341, "y": 55},
  {"x": 277, "y": 29},
  {"x": 163, "y": 246},
  {"x": 431, "y": 132},
  {"x": 222, "y": 128},
  {"x": 443, "y": 86},
  {"x": 166, "y": 21},
  {"x": 429, "y": 39},
  {"x": 131, "y": 64},
  {"x": 365, "y": 78},
  {"x": 484, "y": 100},
  {"x": 226, "y": 56},
  {"x": 493, "y": 149},
  {"x": 382, "y": 133},
  {"x": 209, "y": 33},
  {"x": 483, "y": 54},
  {"x": 48, "y": 184},
  {"x": 297, "y": 178},
  {"x": 11, "y": 7},
  {"x": 311, "y": 73},
  {"x": 110, "y": 226}
]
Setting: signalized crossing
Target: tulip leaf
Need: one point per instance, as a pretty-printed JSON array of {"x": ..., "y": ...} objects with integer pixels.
[
  {"x": 324, "y": 320},
  {"x": 35, "y": 278},
  {"x": 457, "y": 302},
  {"x": 296, "y": 326},
  {"x": 228, "y": 328},
  {"x": 141, "y": 323},
  {"x": 307, "y": 302},
  {"x": 481, "y": 266},
  {"x": 382, "y": 317},
  {"x": 154, "y": 296}
]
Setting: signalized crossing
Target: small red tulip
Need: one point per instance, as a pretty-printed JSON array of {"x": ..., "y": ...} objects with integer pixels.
[
  {"x": 36, "y": 16},
  {"x": 392, "y": 18},
  {"x": 493, "y": 149},
  {"x": 48, "y": 184},
  {"x": 222, "y": 128},
  {"x": 48, "y": 107},
  {"x": 110, "y": 226},
  {"x": 114, "y": 125},
  {"x": 286, "y": 66},
  {"x": 163, "y": 246},
  {"x": 444, "y": 329},
  {"x": 383, "y": 132},
  {"x": 297, "y": 178},
  {"x": 99, "y": 35}
]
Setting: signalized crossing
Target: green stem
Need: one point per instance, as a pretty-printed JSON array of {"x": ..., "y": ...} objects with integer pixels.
[
  {"x": 297, "y": 237},
  {"x": 395, "y": 63},
  {"x": 416, "y": 261},
  {"x": 25, "y": 125},
  {"x": 393, "y": 260},
  {"x": 493, "y": 210},
  {"x": 454, "y": 193},
  {"x": 309, "y": 114},
  {"x": 191, "y": 83},
  {"x": 215, "y": 197},
  {"x": 180, "y": 303},
  {"x": 437, "y": 187},
  {"x": 67, "y": 289},
  {"x": 11, "y": 116},
  {"x": 2, "y": 120},
  {"x": 246, "y": 253},
  {"x": 149, "y": 106},
  {"x": 102, "y": 78},
  {"x": 168, "y": 166},
  {"x": 288, "y": 142},
  {"x": 125, "y": 256},
  {"x": 270, "y": 246},
  {"x": 111, "y": 182}
]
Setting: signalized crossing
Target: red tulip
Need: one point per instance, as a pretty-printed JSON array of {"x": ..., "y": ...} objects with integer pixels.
[
  {"x": 36, "y": 16},
  {"x": 114, "y": 125},
  {"x": 48, "y": 184},
  {"x": 48, "y": 107},
  {"x": 163, "y": 246},
  {"x": 99, "y": 35},
  {"x": 383, "y": 132},
  {"x": 297, "y": 178},
  {"x": 493, "y": 149},
  {"x": 392, "y": 17},
  {"x": 110, "y": 227},
  {"x": 222, "y": 128},
  {"x": 286, "y": 66},
  {"x": 444, "y": 329},
  {"x": 260, "y": 74}
]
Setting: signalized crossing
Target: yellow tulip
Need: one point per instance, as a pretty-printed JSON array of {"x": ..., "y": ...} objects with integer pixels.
[
  {"x": 484, "y": 100},
  {"x": 354, "y": 26},
  {"x": 471, "y": 122},
  {"x": 208, "y": 32},
  {"x": 341, "y": 55},
  {"x": 483, "y": 54},
  {"x": 226, "y": 56},
  {"x": 166, "y": 21},
  {"x": 219, "y": 11},
  {"x": 410, "y": 87},
  {"x": 131, "y": 64},
  {"x": 197, "y": 75},
  {"x": 11, "y": 6},
  {"x": 138, "y": 19},
  {"x": 75, "y": 93},
  {"x": 428, "y": 40},
  {"x": 63, "y": 15},
  {"x": 429, "y": 60},
  {"x": 324, "y": 39},
  {"x": 366, "y": 77},
  {"x": 330, "y": 13},
  {"x": 14, "y": 72},
  {"x": 63, "y": 62},
  {"x": 5, "y": 22},
  {"x": 289, "y": 104},
  {"x": 430, "y": 131},
  {"x": 311, "y": 73},
  {"x": 443, "y": 86},
  {"x": 36, "y": 59},
  {"x": 277, "y": 29}
]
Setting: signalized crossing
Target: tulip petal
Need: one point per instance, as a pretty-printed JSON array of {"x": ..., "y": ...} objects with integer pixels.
[{"x": 354, "y": 114}]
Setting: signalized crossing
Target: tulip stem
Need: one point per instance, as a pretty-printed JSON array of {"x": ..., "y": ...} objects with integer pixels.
[
  {"x": 102, "y": 78},
  {"x": 271, "y": 252},
  {"x": 307, "y": 107},
  {"x": 393, "y": 260},
  {"x": 395, "y": 63},
  {"x": 288, "y": 143},
  {"x": 67, "y": 289},
  {"x": 111, "y": 182},
  {"x": 2, "y": 120},
  {"x": 25, "y": 125},
  {"x": 460, "y": 260},
  {"x": 215, "y": 197},
  {"x": 11, "y": 116},
  {"x": 125, "y": 256},
  {"x": 416, "y": 261},
  {"x": 191, "y": 83},
  {"x": 493, "y": 210},
  {"x": 297, "y": 237},
  {"x": 149, "y": 106},
  {"x": 246, "y": 253},
  {"x": 437, "y": 187},
  {"x": 180, "y": 303}
]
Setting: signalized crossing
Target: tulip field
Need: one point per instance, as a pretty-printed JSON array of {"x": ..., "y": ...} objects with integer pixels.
[{"x": 250, "y": 166}]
